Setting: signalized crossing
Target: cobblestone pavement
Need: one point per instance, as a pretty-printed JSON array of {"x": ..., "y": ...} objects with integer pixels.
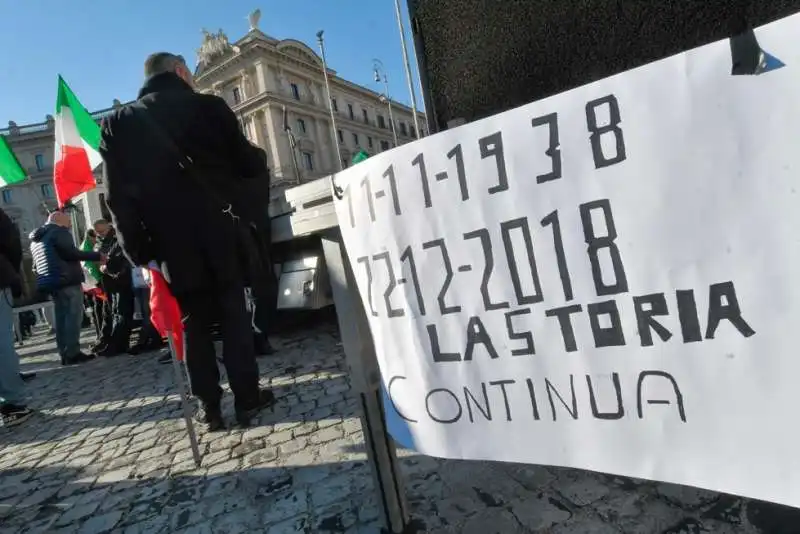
[{"x": 108, "y": 453}]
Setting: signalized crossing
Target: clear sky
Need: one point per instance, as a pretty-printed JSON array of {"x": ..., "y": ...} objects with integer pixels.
[{"x": 99, "y": 46}]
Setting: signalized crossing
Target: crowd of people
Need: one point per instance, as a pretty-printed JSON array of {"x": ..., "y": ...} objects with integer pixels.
[{"x": 188, "y": 194}]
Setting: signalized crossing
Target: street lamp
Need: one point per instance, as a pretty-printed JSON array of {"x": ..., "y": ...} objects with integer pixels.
[
  {"x": 334, "y": 135},
  {"x": 408, "y": 67},
  {"x": 378, "y": 69}
]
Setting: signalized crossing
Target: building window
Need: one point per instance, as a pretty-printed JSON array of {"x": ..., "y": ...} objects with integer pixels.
[
  {"x": 334, "y": 105},
  {"x": 345, "y": 163},
  {"x": 301, "y": 125},
  {"x": 341, "y": 135},
  {"x": 366, "y": 116},
  {"x": 412, "y": 130},
  {"x": 369, "y": 142},
  {"x": 350, "y": 111},
  {"x": 237, "y": 95},
  {"x": 39, "y": 159},
  {"x": 308, "y": 161},
  {"x": 295, "y": 91},
  {"x": 381, "y": 122},
  {"x": 384, "y": 146},
  {"x": 355, "y": 139},
  {"x": 403, "y": 129},
  {"x": 47, "y": 190},
  {"x": 7, "y": 197}
]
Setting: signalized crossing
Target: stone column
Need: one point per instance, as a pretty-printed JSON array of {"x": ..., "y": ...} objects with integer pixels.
[
  {"x": 279, "y": 154},
  {"x": 258, "y": 127},
  {"x": 261, "y": 77}
]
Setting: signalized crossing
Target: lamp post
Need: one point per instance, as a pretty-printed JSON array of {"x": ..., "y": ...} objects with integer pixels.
[
  {"x": 378, "y": 70},
  {"x": 408, "y": 67},
  {"x": 334, "y": 135}
]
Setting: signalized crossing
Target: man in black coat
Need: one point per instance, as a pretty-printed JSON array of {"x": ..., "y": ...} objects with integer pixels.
[
  {"x": 117, "y": 283},
  {"x": 170, "y": 159},
  {"x": 57, "y": 263}
]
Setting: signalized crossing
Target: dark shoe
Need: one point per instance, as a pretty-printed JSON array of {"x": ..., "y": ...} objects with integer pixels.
[
  {"x": 266, "y": 399},
  {"x": 81, "y": 357},
  {"x": 262, "y": 346},
  {"x": 98, "y": 347},
  {"x": 27, "y": 376},
  {"x": 212, "y": 417},
  {"x": 12, "y": 414},
  {"x": 165, "y": 358},
  {"x": 110, "y": 352},
  {"x": 137, "y": 349}
]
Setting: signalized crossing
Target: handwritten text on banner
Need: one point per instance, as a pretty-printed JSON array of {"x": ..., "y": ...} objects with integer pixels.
[{"x": 605, "y": 279}]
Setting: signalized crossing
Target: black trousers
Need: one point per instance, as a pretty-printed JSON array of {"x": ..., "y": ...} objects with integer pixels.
[
  {"x": 122, "y": 304},
  {"x": 226, "y": 307},
  {"x": 265, "y": 304}
]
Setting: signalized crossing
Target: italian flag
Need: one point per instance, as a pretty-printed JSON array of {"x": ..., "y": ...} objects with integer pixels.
[
  {"x": 77, "y": 142},
  {"x": 11, "y": 171}
]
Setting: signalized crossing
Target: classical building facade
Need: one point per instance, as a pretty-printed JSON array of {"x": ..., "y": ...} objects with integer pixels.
[{"x": 275, "y": 87}]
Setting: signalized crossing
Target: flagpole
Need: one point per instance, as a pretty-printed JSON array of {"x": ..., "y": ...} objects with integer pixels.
[
  {"x": 292, "y": 143},
  {"x": 181, "y": 384},
  {"x": 408, "y": 67},
  {"x": 334, "y": 134},
  {"x": 377, "y": 66}
]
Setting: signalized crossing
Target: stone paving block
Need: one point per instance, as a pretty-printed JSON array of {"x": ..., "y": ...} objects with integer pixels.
[
  {"x": 77, "y": 513},
  {"x": 101, "y": 524},
  {"x": 300, "y": 524},
  {"x": 261, "y": 457},
  {"x": 216, "y": 457},
  {"x": 284, "y": 506},
  {"x": 330, "y": 490},
  {"x": 247, "y": 447},
  {"x": 219, "y": 484},
  {"x": 303, "y": 458},
  {"x": 583, "y": 491},
  {"x": 154, "y": 525},
  {"x": 279, "y": 437},
  {"x": 494, "y": 521},
  {"x": 224, "y": 467},
  {"x": 242, "y": 521},
  {"x": 335, "y": 517},
  {"x": 686, "y": 496},
  {"x": 584, "y": 525}
]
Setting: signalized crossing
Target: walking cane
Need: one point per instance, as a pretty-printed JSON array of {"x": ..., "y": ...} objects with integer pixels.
[{"x": 187, "y": 416}]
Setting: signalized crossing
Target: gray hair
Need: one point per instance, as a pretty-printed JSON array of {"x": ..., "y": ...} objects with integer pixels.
[{"x": 162, "y": 62}]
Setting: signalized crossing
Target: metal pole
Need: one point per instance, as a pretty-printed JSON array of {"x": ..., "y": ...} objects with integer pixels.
[
  {"x": 408, "y": 67},
  {"x": 292, "y": 145},
  {"x": 391, "y": 114},
  {"x": 187, "y": 415},
  {"x": 294, "y": 161},
  {"x": 334, "y": 134},
  {"x": 74, "y": 219}
]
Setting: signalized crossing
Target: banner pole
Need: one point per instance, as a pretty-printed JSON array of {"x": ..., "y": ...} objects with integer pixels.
[{"x": 187, "y": 416}]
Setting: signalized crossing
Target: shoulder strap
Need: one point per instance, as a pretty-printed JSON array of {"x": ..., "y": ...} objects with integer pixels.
[{"x": 186, "y": 163}]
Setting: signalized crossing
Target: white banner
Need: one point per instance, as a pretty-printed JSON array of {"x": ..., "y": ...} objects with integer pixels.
[{"x": 605, "y": 279}]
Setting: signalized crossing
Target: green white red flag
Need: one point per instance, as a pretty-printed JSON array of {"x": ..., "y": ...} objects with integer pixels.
[
  {"x": 11, "y": 172},
  {"x": 77, "y": 143}
]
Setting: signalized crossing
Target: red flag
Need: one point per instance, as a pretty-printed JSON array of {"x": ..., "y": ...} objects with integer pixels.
[
  {"x": 165, "y": 314},
  {"x": 96, "y": 292}
]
